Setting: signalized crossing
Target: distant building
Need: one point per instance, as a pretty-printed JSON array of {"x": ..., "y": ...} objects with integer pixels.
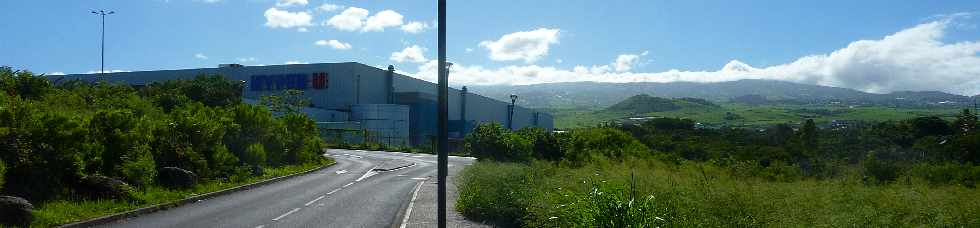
[{"x": 355, "y": 102}]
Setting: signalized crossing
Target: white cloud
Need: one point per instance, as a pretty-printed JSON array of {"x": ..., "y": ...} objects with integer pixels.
[
  {"x": 353, "y": 19},
  {"x": 559, "y": 61},
  {"x": 327, "y": 7},
  {"x": 246, "y": 59},
  {"x": 915, "y": 59},
  {"x": 209, "y": 1},
  {"x": 200, "y": 56},
  {"x": 626, "y": 62},
  {"x": 302, "y": 29},
  {"x": 526, "y": 45},
  {"x": 275, "y": 18},
  {"x": 288, "y": 3},
  {"x": 296, "y": 62},
  {"x": 349, "y": 20},
  {"x": 381, "y": 20},
  {"x": 469, "y": 50},
  {"x": 409, "y": 54},
  {"x": 56, "y": 73},
  {"x": 335, "y": 44},
  {"x": 414, "y": 27}
]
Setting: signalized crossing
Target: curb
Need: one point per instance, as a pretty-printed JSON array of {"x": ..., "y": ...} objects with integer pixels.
[
  {"x": 164, "y": 206},
  {"x": 393, "y": 168}
]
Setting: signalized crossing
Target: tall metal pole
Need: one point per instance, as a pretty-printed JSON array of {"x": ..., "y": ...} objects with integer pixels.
[
  {"x": 102, "y": 13},
  {"x": 443, "y": 118}
]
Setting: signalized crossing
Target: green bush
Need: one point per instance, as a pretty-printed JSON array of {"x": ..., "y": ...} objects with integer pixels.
[
  {"x": 881, "y": 171},
  {"x": 254, "y": 155},
  {"x": 494, "y": 192},
  {"x": 51, "y": 136},
  {"x": 491, "y": 141},
  {"x": 138, "y": 168},
  {"x": 588, "y": 144},
  {"x": 544, "y": 145},
  {"x": 948, "y": 173}
]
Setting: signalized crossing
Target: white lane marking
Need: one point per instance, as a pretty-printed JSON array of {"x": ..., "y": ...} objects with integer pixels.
[
  {"x": 286, "y": 214},
  {"x": 260, "y": 226},
  {"x": 419, "y": 178},
  {"x": 313, "y": 201},
  {"x": 343, "y": 171},
  {"x": 408, "y": 212},
  {"x": 348, "y": 184},
  {"x": 366, "y": 175},
  {"x": 331, "y": 192}
]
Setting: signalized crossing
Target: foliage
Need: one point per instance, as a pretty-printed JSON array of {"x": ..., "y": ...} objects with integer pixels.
[
  {"x": 698, "y": 194},
  {"x": 51, "y": 136},
  {"x": 288, "y": 101},
  {"x": 491, "y": 141},
  {"x": 494, "y": 192}
]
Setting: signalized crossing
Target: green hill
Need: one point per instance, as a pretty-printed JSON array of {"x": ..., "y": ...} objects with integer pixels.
[{"x": 643, "y": 103}]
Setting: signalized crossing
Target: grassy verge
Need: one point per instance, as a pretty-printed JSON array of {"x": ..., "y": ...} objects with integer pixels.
[
  {"x": 64, "y": 211},
  {"x": 653, "y": 194}
]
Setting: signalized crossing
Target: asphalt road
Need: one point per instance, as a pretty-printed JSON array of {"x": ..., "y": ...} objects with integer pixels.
[{"x": 347, "y": 194}]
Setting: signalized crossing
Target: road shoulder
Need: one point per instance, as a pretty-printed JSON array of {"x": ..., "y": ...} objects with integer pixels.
[{"x": 423, "y": 210}]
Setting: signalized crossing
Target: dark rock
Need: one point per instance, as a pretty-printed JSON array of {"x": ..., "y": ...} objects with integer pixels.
[
  {"x": 177, "y": 178},
  {"x": 101, "y": 187},
  {"x": 15, "y": 211}
]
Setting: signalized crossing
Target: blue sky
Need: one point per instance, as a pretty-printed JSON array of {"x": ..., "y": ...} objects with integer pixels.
[{"x": 837, "y": 43}]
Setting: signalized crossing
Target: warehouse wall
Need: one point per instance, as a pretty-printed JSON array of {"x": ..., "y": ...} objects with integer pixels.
[{"x": 350, "y": 84}]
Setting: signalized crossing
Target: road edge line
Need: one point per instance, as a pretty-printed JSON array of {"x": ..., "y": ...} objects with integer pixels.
[
  {"x": 408, "y": 211},
  {"x": 164, "y": 206}
]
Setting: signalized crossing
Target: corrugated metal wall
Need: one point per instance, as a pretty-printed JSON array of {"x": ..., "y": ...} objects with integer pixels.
[{"x": 350, "y": 85}]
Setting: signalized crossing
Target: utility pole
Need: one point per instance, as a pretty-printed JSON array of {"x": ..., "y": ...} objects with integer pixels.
[
  {"x": 510, "y": 112},
  {"x": 443, "y": 118},
  {"x": 103, "y": 13}
]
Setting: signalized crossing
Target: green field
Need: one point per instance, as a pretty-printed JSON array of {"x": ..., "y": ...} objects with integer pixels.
[{"x": 751, "y": 115}]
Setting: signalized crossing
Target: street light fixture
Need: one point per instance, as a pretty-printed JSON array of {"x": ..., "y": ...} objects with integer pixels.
[{"x": 103, "y": 13}]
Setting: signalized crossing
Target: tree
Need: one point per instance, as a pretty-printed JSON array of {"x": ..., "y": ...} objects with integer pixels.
[
  {"x": 289, "y": 101},
  {"x": 930, "y": 126},
  {"x": 809, "y": 137},
  {"x": 966, "y": 122}
]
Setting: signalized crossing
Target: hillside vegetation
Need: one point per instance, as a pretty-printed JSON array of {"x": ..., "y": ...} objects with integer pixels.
[
  {"x": 59, "y": 144},
  {"x": 756, "y": 114}
]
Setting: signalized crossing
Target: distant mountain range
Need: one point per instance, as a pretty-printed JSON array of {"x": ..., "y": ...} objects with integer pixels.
[{"x": 598, "y": 95}]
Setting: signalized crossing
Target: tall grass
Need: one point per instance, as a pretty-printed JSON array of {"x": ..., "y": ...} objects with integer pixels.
[
  {"x": 72, "y": 209},
  {"x": 654, "y": 194}
]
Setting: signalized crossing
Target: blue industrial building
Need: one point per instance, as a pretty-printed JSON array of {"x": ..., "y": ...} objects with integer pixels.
[{"x": 353, "y": 102}]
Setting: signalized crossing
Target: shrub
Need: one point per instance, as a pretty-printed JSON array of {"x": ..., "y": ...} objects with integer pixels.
[
  {"x": 948, "y": 173},
  {"x": 494, "y": 192},
  {"x": 585, "y": 144},
  {"x": 139, "y": 168},
  {"x": 544, "y": 145},
  {"x": 881, "y": 171},
  {"x": 303, "y": 143},
  {"x": 491, "y": 141},
  {"x": 254, "y": 155}
]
